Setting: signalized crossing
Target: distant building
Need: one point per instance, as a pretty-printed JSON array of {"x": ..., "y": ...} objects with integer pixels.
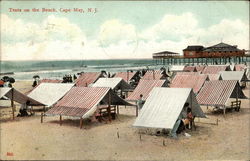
[
  {"x": 219, "y": 50},
  {"x": 165, "y": 54}
]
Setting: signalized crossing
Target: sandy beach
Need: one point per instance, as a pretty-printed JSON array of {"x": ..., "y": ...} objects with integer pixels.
[{"x": 28, "y": 139}]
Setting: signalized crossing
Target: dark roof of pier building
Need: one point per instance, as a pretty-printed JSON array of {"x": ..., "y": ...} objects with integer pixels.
[
  {"x": 221, "y": 47},
  {"x": 194, "y": 48},
  {"x": 165, "y": 53}
]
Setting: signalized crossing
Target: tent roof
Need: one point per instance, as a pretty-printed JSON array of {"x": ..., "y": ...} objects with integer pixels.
[
  {"x": 187, "y": 73},
  {"x": 112, "y": 83},
  {"x": 83, "y": 101},
  {"x": 240, "y": 67},
  {"x": 200, "y": 68},
  {"x": 44, "y": 81},
  {"x": 155, "y": 74},
  {"x": 17, "y": 96},
  {"x": 50, "y": 81},
  {"x": 215, "y": 69},
  {"x": 50, "y": 93},
  {"x": 190, "y": 68},
  {"x": 189, "y": 81},
  {"x": 217, "y": 92},
  {"x": 144, "y": 87},
  {"x": 127, "y": 76},
  {"x": 177, "y": 68},
  {"x": 233, "y": 75},
  {"x": 87, "y": 78},
  {"x": 164, "y": 105},
  {"x": 214, "y": 76}
]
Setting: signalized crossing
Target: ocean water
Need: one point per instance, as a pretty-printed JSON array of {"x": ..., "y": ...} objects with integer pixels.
[{"x": 25, "y": 70}]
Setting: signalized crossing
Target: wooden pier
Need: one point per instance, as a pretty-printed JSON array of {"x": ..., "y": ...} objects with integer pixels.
[{"x": 181, "y": 60}]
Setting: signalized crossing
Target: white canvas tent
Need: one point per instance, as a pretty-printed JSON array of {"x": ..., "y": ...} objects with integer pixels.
[
  {"x": 112, "y": 83},
  {"x": 50, "y": 93},
  {"x": 234, "y": 75},
  {"x": 164, "y": 105},
  {"x": 177, "y": 68}
]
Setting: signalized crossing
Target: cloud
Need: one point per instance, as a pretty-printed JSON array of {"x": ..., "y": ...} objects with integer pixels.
[
  {"x": 52, "y": 28},
  {"x": 59, "y": 38},
  {"x": 171, "y": 27},
  {"x": 113, "y": 31},
  {"x": 176, "y": 32}
]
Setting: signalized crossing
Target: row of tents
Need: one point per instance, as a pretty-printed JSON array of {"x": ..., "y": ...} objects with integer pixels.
[{"x": 65, "y": 99}]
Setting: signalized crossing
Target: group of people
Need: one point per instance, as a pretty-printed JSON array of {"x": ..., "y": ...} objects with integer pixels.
[
  {"x": 184, "y": 121},
  {"x": 23, "y": 111},
  {"x": 69, "y": 78}
]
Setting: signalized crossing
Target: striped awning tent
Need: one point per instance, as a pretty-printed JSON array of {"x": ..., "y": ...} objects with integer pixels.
[
  {"x": 113, "y": 83},
  {"x": 190, "y": 68},
  {"x": 127, "y": 76},
  {"x": 214, "y": 76},
  {"x": 50, "y": 93},
  {"x": 215, "y": 69},
  {"x": 200, "y": 68},
  {"x": 189, "y": 81},
  {"x": 164, "y": 105},
  {"x": 17, "y": 96},
  {"x": 240, "y": 67},
  {"x": 153, "y": 74},
  {"x": 85, "y": 79},
  {"x": 217, "y": 92},
  {"x": 84, "y": 101},
  {"x": 144, "y": 87}
]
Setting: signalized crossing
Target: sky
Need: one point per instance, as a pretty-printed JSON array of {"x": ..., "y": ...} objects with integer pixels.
[{"x": 76, "y": 30}]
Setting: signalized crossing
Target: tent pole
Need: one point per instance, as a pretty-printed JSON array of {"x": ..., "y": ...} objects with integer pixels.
[
  {"x": 109, "y": 108},
  {"x": 224, "y": 110},
  {"x": 41, "y": 117},
  {"x": 117, "y": 109},
  {"x": 136, "y": 112},
  {"x": 81, "y": 122},
  {"x": 12, "y": 103},
  {"x": 60, "y": 120}
]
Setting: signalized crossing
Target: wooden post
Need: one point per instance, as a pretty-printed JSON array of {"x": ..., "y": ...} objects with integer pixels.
[
  {"x": 136, "y": 111},
  {"x": 224, "y": 110},
  {"x": 109, "y": 107},
  {"x": 60, "y": 120},
  {"x": 117, "y": 108},
  {"x": 154, "y": 74},
  {"x": 81, "y": 122},
  {"x": 41, "y": 117},
  {"x": 12, "y": 103}
]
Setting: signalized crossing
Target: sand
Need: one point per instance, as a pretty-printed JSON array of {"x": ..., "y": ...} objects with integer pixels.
[{"x": 27, "y": 138}]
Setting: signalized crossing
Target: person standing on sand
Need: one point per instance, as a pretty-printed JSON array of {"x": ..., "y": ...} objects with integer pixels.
[{"x": 140, "y": 102}]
